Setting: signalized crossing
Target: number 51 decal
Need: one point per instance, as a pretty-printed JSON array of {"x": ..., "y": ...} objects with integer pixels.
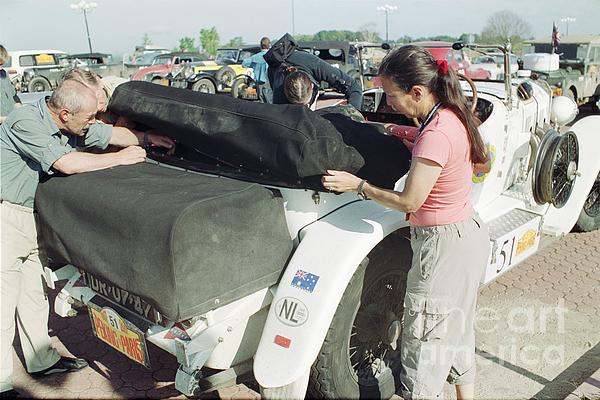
[{"x": 506, "y": 259}]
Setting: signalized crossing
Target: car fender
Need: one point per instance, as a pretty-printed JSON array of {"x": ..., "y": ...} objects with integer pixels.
[
  {"x": 330, "y": 251},
  {"x": 587, "y": 130},
  {"x": 202, "y": 75}
]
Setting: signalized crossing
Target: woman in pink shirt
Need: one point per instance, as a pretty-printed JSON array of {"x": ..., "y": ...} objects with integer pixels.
[{"x": 450, "y": 243}]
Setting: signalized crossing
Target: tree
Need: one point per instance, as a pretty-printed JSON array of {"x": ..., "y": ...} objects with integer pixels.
[
  {"x": 209, "y": 38},
  {"x": 146, "y": 40},
  {"x": 187, "y": 44},
  {"x": 235, "y": 42},
  {"x": 368, "y": 33},
  {"x": 304, "y": 38},
  {"x": 503, "y": 26}
]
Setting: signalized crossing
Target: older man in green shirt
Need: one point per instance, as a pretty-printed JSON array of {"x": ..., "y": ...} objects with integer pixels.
[
  {"x": 39, "y": 139},
  {"x": 8, "y": 94}
]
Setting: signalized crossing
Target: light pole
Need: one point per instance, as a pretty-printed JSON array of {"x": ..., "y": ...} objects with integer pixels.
[
  {"x": 84, "y": 6},
  {"x": 293, "y": 20},
  {"x": 387, "y": 9},
  {"x": 567, "y": 20}
]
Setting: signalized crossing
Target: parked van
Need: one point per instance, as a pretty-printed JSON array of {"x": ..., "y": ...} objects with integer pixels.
[{"x": 22, "y": 59}]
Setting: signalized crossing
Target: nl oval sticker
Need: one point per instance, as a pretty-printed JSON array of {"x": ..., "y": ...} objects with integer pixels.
[{"x": 291, "y": 311}]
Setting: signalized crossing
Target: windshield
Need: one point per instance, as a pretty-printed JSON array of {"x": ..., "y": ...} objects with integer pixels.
[
  {"x": 162, "y": 60},
  {"x": 226, "y": 55}
]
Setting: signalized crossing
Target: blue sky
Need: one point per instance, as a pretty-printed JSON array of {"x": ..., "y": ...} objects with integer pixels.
[{"x": 116, "y": 26}]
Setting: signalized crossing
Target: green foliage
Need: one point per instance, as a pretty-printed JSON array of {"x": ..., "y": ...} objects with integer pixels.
[
  {"x": 146, "y": 40},
  {"x": 304, "y": 38},
  {"x": 187, "y": 44},
  {"x": 338, "y": 35},
  {"x": 235, "y": 42},
  {"x": 209, "y": 39}
]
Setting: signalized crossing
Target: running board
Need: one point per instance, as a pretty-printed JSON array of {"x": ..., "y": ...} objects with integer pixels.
[{"x": 514, "y": 236}]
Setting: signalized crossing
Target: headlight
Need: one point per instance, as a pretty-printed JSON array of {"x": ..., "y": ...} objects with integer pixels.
[{"x": 188, "y": 71}]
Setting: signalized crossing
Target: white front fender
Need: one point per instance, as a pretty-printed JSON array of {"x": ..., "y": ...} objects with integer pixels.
[
  {"x": 312, "y": 285},
  {"x": 587, "y": 130}
]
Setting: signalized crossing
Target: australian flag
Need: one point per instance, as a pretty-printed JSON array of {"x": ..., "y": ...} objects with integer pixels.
[
  {"x": 555, "y": 38},
  {"x": 305, "y": 280}
]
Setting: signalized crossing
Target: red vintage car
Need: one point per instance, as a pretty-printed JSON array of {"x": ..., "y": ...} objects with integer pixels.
[
  {"x": 456, "y": 58},
  {"x": 164, "y": 63}
]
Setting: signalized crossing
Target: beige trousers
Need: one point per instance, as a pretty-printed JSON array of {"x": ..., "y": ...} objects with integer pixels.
[
  {"x": 438, "y": 338},
  {"x": 22, "y": 294}
]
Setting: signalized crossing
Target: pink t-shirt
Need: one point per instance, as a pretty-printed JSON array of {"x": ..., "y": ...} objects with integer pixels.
[{"x": 445, "y": 142}]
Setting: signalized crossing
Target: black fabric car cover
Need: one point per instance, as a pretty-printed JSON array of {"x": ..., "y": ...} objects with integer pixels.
[
  {"x": 386, "y": 158},
  {"x": 285, "y": 140},
  {"x": 283, "y": 145},
  {"x": 178, "y": 239}
]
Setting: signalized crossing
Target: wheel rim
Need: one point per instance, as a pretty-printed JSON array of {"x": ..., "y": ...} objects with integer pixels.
[
  {"x": 592, "y": 203},
  {"x": 563, "y": 175},
  {"x": 369, "y": 355}
]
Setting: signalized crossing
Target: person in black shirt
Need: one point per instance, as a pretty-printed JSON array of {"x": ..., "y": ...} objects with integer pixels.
[{"x": 295, "y": 75}]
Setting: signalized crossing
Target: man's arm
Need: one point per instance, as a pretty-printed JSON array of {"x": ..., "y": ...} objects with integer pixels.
[
  {"x": 340, "y": 81},
  {"x": 77, "y": 162},
  {"x": 123, "y": 137}
]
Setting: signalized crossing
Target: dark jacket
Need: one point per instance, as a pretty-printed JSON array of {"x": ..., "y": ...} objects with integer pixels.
[{"x": 285, "y": 51}]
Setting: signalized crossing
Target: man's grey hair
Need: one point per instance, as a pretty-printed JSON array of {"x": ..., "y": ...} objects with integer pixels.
[
  {"x": 86, "y": 77},
  {"x": 3, "y": 55},
  {"x": 72, "y": 95}
]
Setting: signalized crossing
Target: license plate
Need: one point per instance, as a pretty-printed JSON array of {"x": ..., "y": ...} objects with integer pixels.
[
  {"x": 119, "y": 333},
  {"x": 121, "y": 297}
]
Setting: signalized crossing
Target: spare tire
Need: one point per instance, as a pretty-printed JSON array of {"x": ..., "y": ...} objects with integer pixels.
[{"x": 225, "y": 76}]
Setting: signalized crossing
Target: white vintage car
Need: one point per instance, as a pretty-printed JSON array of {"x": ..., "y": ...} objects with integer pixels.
[{"x": 330, "y": 320}]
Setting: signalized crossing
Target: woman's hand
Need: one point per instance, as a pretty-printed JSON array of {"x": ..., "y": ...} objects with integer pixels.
[{"x": 340, "y": 181}]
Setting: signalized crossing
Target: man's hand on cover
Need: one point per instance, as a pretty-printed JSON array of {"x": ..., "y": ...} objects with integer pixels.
[
  {"x": 159, "y": 140},
  {"x": 131, "y": 155}
]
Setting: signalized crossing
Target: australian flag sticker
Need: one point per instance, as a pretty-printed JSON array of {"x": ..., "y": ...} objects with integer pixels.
[{"x": 305, "y": 280}]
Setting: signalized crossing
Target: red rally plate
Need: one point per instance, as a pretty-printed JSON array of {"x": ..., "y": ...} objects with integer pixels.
[{"x": 119, "y": 333}]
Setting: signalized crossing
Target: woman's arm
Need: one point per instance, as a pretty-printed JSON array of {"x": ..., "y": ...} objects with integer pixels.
[{"x": 422, "y": 176}]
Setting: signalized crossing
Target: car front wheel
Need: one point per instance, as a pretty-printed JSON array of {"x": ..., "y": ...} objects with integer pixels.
[
  {"x": 589, "y": 219},
  {"x": 204, "y": 85}
]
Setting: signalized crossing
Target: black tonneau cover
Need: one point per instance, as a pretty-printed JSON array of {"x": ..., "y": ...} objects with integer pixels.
[{"x": 183, "y": 241}]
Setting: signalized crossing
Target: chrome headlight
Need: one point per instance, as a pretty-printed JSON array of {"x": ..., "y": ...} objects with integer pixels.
[{"x": 187, "y": 71}]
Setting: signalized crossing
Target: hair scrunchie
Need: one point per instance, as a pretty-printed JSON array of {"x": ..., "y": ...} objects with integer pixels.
[{"x": 442, "y": 66}]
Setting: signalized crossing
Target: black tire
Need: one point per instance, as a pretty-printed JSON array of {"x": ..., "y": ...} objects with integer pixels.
[
  {"x": 38, "y": 84},
  {"x": 355, "y": 343},
  {"x": 589, "y": 219},
  {"x": 225, "y": 76},
  {"x": 204, "y": 85}
]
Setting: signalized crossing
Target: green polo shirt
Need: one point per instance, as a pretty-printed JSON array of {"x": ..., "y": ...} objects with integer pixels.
[
  {"x": 8, "y": 95},
  {"x": 30, "y": 142}
]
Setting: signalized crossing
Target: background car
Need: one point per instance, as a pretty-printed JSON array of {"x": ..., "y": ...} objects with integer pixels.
[
  {"x": 494, "y": 63},
  {"x": 23, "y": 59},
  {"x": 163, "y": 64},
  {"x": 227, "y": 65},
  {"x": 457, "y": 59}
]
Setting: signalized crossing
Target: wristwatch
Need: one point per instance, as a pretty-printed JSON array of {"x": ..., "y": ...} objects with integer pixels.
[{"x": 360, "y": 188}]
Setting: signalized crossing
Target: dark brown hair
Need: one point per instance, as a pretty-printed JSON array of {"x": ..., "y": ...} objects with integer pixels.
[
  {"x": 297, "y": 85},
  {"x": 409, "y": 65},
  {"x": 265, "y": 43}
]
